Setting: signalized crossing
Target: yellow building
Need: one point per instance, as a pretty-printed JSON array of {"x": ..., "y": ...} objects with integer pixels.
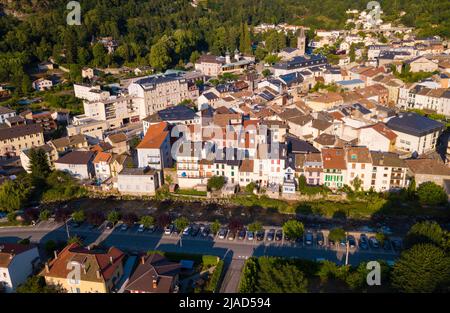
[
  {"x": 80, "y": 270},
  {"x": 14, "y": 139}
]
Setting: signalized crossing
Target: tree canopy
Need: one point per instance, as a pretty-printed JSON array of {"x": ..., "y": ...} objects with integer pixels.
[
  {"x": 431, "y": 194},
  {"x": 423, "y": 268}
]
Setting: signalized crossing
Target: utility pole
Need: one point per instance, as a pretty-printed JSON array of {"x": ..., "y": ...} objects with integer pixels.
[{"x": 67, "y": 229}]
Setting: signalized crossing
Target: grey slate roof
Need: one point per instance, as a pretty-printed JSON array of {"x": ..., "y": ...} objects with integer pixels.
[{"x": 414, "y": 124}]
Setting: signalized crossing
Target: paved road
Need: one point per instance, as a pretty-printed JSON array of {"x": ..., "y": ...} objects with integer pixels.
[
  {"x": 133, "y": 241},
  {"x": 230, "y": 283},
  {"x": 234, "y": 252}
]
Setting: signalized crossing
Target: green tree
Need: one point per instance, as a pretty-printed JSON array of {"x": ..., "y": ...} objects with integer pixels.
[
  {"x": 431, "y": 194},
  {"x": 244, "y": 39},
  {"x": 195, "y": 55},
  {"x": 266, "y": 73},
  {"x": 113, "y": 217},
  {"x": 39, "y": 166},
  {"x": 44, "y": 215},
  {"x": 425, "y": 232},
  {"x": 357, "y": 183},
  {"x": 75, "y": 239},
  {"x": 160, "y": 53},
  {"x": 36, "y": 284},
  {"x": 279, "y": 277},
  {"x": 423, "y": 268},
  {"x": 250, "y": 187},
  {"x": 78, "y": 216},
  {"x": 181, "y": 223},
  {"x": 255, "y": 226},
  {"x": 99, "y": 55},
  {"x": 215, "y": 226},
  {"x": 147, "y": 220},
  {"x": 11, "y": 216},
  {"x": 411, "y": 191},
  {"x": 216, "y": 182},
  {"x": 271, "y": 59},
  {"x": 13, "y": 195},
  {"x": 293, "y": 229},
  {"x": 336, "y": 234}
]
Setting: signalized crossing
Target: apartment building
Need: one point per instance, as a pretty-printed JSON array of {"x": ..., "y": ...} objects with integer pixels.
[
  {"x": 154, "y": 150},
  {"x": 389, "y": 172},
  {"x": 158, "y": 92},
  {"x": 17, "y": 138},
  {"x": 359, "y": 167},
  {"x": 117, "y": 110},
  {"x": 424, "y": 98},
  {"x": 334, "y": 168},
  {"x": 415, "y": 133},
  {"x": 90, "y": 93}
]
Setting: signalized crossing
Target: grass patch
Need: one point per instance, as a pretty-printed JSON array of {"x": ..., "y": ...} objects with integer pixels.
[
  {"x": 263, "y": 201},
  {"x": 191, "y": 192},
  {"x": 213, "y": 282}
]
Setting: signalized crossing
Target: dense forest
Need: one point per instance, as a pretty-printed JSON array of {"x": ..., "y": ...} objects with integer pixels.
[{"x": 171, "y": 33}]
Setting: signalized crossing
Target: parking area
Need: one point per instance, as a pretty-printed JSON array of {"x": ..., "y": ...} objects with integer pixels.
[{"x": 270, "y": 236}]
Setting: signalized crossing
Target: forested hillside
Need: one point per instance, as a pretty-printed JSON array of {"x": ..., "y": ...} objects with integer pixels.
[{"x": 166, "y": 33}]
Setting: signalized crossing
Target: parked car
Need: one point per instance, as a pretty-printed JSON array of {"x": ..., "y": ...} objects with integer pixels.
[
  {"x": 250, "y": 235},
  {"x": 351, "y": 241},
  {"x": 169, "y": 229},
  {"x": 151, "y": 229},
  {"x": 222, "y": 233},
  {"x": 320, "y": 239},
  {"x": 124, "y": 227},
  {"x": 279, "y": 235},
  {"x": 363, "y": 242},
  {"x": 396, "y": 244},
  {"x": 271, "y": 235},
  {"x": 309, "y": 238},
  {"x": 260, "y": 235},
  {"x": 231, "y": 235},
  {"x": 241, "y": 234},
  {"x": 109, "y": 225},
  {"x": 387, "y": 245},
  {"x": 343, "y": 242},
  {"x": 195, "y": 230},
  {"x": 331, "y": 242},
  {"x": 141, "y": 228},
  {"x": 204, "y": 231},
  {"x": 187, "y": 231},
  {"x": 374, "y": 244}
]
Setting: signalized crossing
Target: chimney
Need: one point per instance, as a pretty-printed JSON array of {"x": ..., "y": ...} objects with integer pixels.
[
  {"x": 98, "y": 274},
  {"x": 55, "y": 253},
  {"x": 84, "y": 269},
  {"x": 111, "y": 260},
  {"x": 143, "y": 260},
  {"x": 47, "y": 268},
  {"x": 155, "y": 282}
]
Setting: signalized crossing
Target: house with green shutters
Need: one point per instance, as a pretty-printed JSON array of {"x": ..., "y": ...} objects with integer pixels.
[{"x": 334, "y": 168}]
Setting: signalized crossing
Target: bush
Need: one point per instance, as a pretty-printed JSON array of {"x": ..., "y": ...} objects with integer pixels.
[
  {"x": 113, "y": 217},
  {"x": 44, "y": 215},
  {"x": 431, "y": 194},
  {"x": 216, "y": 183},
  {"x": 11, "y": 216},
  {"x": 336, "y": 234}
]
